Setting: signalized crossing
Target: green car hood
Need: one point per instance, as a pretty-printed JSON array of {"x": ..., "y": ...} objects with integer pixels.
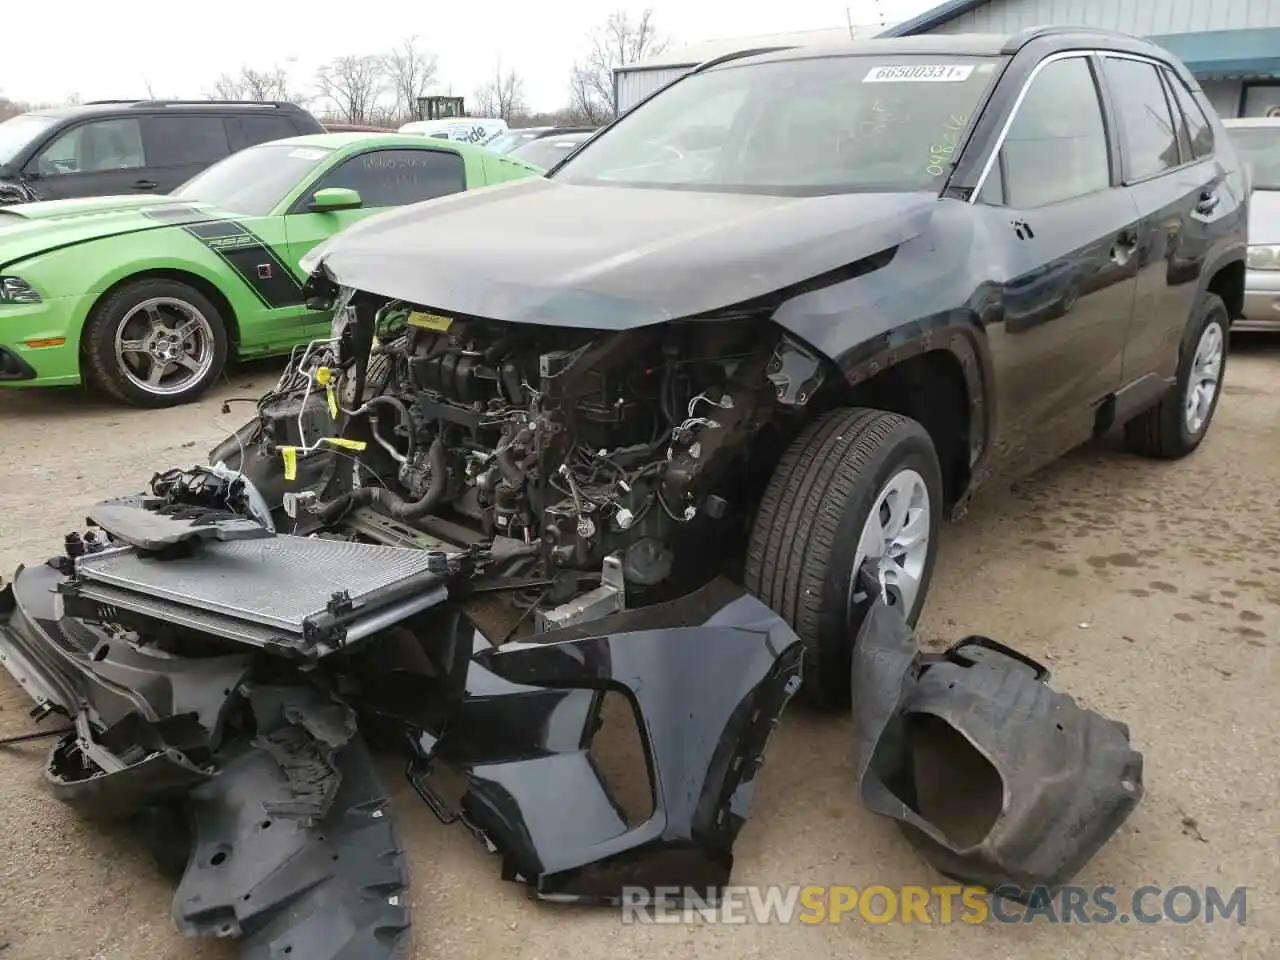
[{"x": 28, "y": 229}]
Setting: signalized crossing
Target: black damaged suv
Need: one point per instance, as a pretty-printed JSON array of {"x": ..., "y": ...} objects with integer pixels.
[
  {"x": 111, "y": 147},
  {"x": 783, "y": 317}
]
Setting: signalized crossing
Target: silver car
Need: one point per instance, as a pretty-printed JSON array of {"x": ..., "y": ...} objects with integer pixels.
[{"x": 1258, "y": 141}]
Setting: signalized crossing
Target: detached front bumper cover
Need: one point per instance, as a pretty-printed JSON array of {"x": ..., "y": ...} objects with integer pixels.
[{"x": 707, "y": 677}]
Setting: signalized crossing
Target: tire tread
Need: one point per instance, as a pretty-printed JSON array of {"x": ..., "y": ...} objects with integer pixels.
[{"x": 795, "y": 531}]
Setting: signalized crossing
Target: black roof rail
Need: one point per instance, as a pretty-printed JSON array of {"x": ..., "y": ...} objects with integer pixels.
[
  {"x": 145, "y": 104},
  {"x": 265, "y": 104},
  {"x": 739, "y": 54},
  {"x": 1026, "y": 35}
]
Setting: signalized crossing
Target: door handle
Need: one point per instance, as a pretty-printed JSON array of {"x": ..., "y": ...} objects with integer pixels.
[
  {"x": 145, "y": 184},
  {"x": 1208, "y": 202}
]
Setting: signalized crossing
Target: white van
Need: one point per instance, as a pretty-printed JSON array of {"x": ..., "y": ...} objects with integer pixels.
[{"x": 474, "y": 130}]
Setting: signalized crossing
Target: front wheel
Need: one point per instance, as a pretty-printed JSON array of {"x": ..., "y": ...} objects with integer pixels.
[
  {"x": 857, "y": 484},
  {"x": 1175, "y": 426},
  {"x": 155, "y": 343}
]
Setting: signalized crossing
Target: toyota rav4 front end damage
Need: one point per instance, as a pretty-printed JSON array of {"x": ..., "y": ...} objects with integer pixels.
[{"x": 679, "y": 425}]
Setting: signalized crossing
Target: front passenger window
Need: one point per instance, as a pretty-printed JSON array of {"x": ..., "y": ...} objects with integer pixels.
[
  {"x": 94, "y": 148},
  {"x": 1056, "y": 147}
]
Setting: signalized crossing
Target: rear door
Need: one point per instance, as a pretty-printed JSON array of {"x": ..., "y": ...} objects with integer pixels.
[
  {"x": 181, "y": 145},
  {"x": 1179, "y": 189},
  {"x": 1061, "y": 234},
  {"x": 94, "y": 158}
]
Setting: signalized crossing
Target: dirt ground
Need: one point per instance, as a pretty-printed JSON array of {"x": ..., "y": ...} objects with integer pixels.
[{"x": 1152, "y": 589}]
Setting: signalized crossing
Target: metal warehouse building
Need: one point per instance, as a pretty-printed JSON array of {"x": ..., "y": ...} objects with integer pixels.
[
  {"x": 1232, "y": 46},
  {"x": 634, "y": 82}
]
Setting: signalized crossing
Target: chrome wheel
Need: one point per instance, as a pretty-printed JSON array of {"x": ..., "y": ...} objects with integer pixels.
[
  {"x": 164, "y": 346},
  {"x": 896, "y": 537},
  {"x": 1206, "y": 373}
]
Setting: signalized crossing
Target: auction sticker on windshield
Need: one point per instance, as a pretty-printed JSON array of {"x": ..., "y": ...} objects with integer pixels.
[{"x": 940, "y": 72}]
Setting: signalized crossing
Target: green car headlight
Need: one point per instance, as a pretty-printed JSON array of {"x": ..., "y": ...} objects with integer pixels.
[
  {"x": 1264, "y": 257},
  {"x": 17, "y": 290}
]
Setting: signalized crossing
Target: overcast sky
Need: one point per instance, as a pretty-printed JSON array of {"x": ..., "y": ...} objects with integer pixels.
[{"x": 116, "y": 49}]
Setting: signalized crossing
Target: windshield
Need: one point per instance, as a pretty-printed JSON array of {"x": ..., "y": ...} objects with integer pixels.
[
  {"x": 253, "y": 181},
  {"x": 546, "y": 152},
  {"x": 17, "y": 132},
  {"x": 1260, "y": 148},
  {"x": 794, "y": 128},
  {"x": 512, "y": 139}
]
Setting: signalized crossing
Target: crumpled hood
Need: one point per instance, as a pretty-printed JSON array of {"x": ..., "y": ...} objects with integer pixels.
[
  {"x": 28, "y": 229},
  {"x": 540, "y": 251}
]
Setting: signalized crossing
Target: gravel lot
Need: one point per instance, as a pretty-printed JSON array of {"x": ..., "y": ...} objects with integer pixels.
[{"x": 1153, "y": 590}]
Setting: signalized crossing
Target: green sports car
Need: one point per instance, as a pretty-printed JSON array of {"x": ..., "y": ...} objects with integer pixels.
[{"x": 146, "y": 297}]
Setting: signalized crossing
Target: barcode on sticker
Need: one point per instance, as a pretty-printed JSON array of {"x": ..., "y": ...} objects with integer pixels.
[{"x": 932, "y": 72}]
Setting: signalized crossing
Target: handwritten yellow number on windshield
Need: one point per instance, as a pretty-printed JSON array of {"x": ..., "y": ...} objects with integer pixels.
[{"x": 940, "y": 153}]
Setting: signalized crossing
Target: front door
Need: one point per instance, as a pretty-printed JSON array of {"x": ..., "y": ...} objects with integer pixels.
[
  {"x": 1063, "y": 237},
  {"x": 384, "y": 178}
]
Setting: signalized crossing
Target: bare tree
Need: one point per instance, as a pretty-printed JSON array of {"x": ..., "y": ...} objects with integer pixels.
[
  {"x": 251, "y": 84},
  {"x": 228, "y": 86},
  {"x": 266, "y": 84},
  {"x": 502, "y": 95},
  {"x": 622, "y": 39},
  {"x": 410, "y": 72},
  {"x": 353, "y": 84}
]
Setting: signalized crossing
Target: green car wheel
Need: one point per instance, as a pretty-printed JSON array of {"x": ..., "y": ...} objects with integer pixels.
[{"x": 155, "y": 343}]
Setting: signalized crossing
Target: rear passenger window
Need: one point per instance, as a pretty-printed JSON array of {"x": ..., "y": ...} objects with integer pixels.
[
  {"x": 1197, "y": 131},
  {"x": 185, "y": 141},
  {"x": 390, "y": 178},
  {"x": 1056, "y": 147},
  {"x": 1146, "y": 126},
  {"x": 249, "y": 131}
]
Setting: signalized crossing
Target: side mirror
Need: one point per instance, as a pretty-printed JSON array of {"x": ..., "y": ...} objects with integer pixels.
[{"x": 334, "y": 198}]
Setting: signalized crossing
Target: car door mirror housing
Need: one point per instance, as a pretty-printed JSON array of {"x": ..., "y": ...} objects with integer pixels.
[{"x": 334, "y": 198}]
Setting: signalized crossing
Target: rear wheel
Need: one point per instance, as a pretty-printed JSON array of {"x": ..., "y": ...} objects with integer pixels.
[
  {"x": 155, "y": 343},
  {"x": 856, "y": 484},
  {"x": 1176, "y": 425}
]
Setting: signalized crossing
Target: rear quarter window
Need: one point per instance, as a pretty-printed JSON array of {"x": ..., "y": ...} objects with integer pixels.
[{"x": 248, "y": 131}]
